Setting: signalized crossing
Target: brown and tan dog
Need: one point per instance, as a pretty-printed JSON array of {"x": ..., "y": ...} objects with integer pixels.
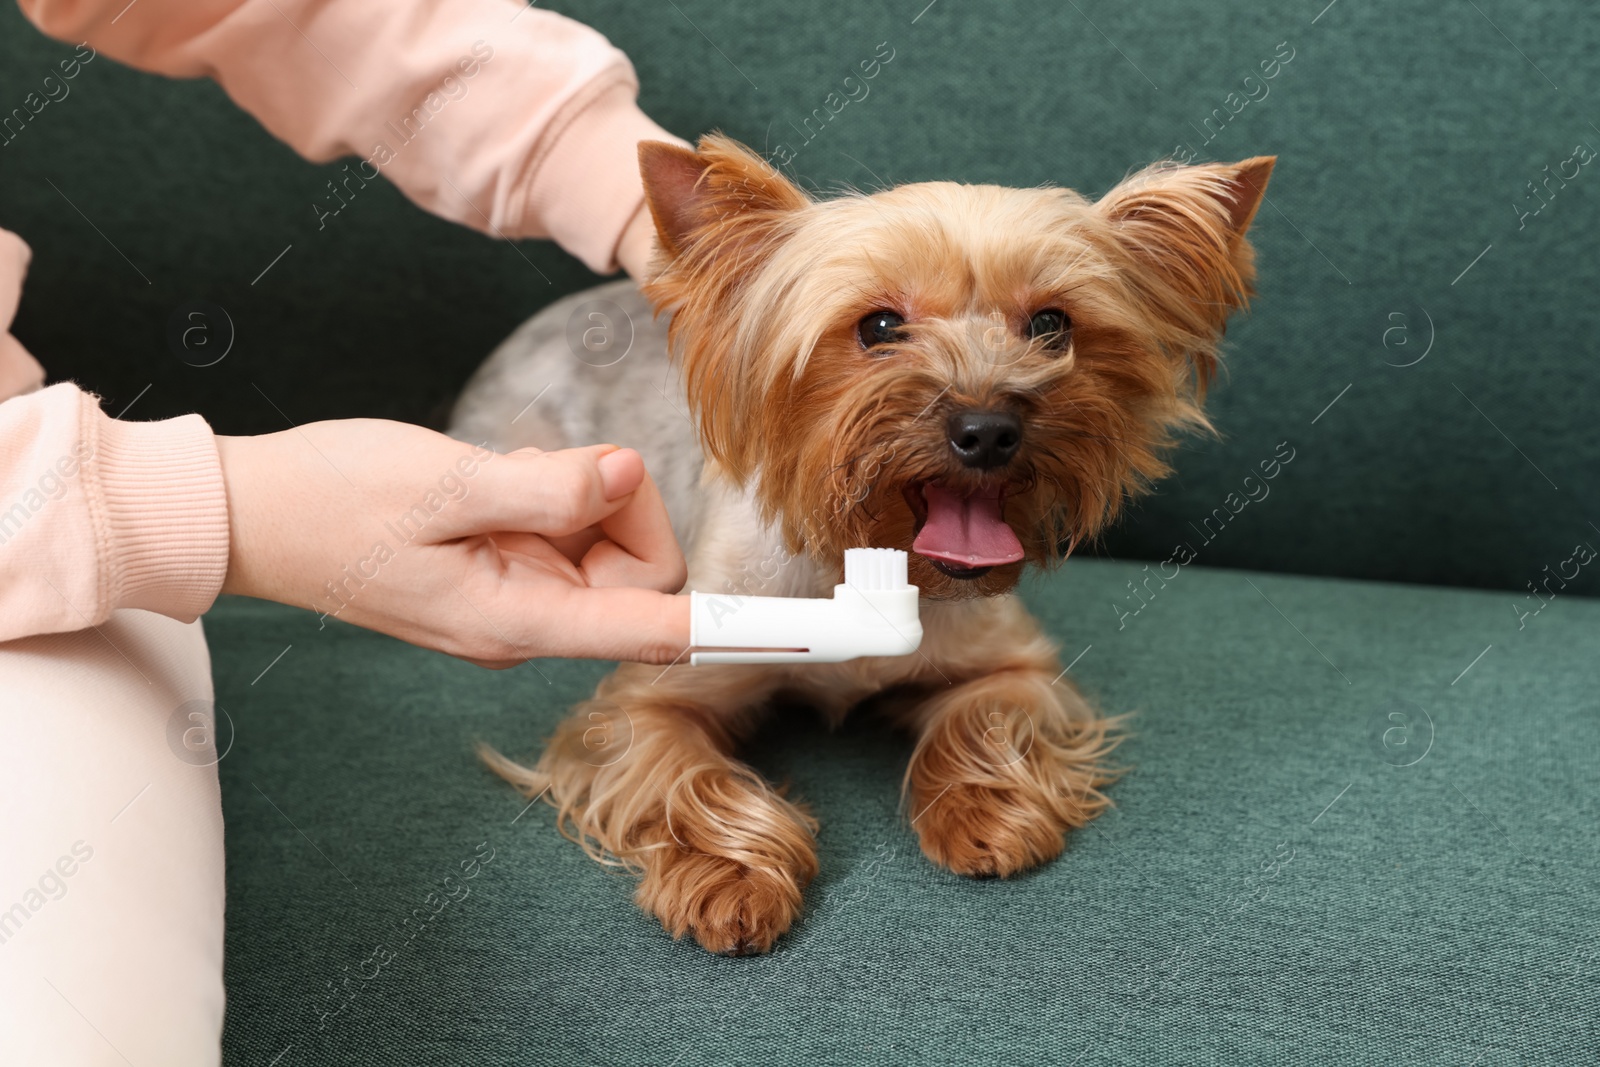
[{"x": 975, "y": 374}]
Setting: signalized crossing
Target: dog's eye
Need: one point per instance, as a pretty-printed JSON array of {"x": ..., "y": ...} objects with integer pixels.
[
  {"x": 879, "y": 328},
  {"x": 1052, "y": 327}
]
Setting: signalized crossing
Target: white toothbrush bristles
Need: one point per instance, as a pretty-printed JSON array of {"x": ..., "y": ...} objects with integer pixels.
[{"x": 875, "y": 568}]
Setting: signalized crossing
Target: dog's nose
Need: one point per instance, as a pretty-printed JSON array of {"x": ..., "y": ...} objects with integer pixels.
[{"x": 984, "y": 439}]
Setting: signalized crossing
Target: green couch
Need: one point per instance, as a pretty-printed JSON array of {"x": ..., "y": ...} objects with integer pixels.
[{"x": 1361, "y": 822}]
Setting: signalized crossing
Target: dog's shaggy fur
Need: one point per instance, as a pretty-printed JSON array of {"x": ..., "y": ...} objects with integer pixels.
[{"x": 814, "y": 441}]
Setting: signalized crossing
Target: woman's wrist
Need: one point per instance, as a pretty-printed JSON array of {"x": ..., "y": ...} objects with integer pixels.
[
  {"x": 638, "y": 244},
  {"x": 241, "y": 467}
]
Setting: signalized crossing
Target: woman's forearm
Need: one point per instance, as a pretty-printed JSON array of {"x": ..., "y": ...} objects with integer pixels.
[{"x": 512, "y": 120}]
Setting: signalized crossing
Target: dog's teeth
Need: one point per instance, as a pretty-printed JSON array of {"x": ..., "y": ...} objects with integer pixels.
[{"x": 875, "y": 568}]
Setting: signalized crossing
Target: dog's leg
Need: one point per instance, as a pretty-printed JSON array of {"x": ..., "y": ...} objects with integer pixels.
[
  {"x": 642, "y": 776},
  {"x": 1009, "y": 756}
]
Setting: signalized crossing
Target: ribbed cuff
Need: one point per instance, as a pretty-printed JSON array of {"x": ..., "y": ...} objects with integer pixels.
[
  {"x": 164, "y": 515},
  {"x": 584, "y": 187}
]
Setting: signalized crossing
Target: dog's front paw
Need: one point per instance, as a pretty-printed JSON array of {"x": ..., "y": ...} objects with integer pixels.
[
  {"x": 727, "y": 862},
  {"x": 1004, "y": 769},
  {"x": 985, "y": 832},
  {"x": 728, "y": 907}
]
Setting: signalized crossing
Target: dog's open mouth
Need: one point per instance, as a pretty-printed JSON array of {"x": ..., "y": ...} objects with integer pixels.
[{"x": 962, "y": 533}]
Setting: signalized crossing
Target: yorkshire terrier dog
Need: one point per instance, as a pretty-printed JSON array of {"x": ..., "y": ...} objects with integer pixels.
[{"x": 978, "y": 375}]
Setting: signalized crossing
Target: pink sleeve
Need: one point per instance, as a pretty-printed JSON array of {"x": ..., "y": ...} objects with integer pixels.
[
  {"x": 97, "y": 514},
  {"x": 511, "y": 120}
]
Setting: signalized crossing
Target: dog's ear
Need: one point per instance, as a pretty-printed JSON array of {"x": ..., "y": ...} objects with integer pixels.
[
  {"x": 1183, "y": 227},
  {"x": 719, "y": 212},
  {"x": 670, "y": 174},
  {"x": 722, "y": 194},
  {"x": 1189, "y": 208}
]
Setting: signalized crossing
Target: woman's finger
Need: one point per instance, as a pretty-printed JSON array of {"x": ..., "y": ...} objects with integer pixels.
[
  {"x": 551, "y": 493},
  {"x": 575, "y": 546},
  {"x": 624, "y": 624},
  {"x": 640, "y": 549}
]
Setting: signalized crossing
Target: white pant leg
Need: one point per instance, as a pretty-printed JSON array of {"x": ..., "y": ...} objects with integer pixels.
[{"x": 111, "y": 862}]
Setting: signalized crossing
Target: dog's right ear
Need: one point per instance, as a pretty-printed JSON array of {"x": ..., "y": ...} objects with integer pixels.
[
  {"x": 723, "y": 195},
  {"x": 670, "y": 174},
  {"x": 720, "y": 212}
]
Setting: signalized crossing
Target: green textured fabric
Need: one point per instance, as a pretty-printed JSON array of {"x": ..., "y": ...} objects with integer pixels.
[
  {"x": 1407, "y": 133},
  {"x": 1291, "y": 874}
]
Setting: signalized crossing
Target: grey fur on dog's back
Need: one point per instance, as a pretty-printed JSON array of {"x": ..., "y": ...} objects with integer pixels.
[{"x": 636, "y": 401}]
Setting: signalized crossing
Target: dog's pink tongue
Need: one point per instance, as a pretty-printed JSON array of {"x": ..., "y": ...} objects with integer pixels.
[{"x": 966, "y": 530}]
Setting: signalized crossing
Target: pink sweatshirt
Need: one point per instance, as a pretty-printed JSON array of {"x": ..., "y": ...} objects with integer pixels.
[{"x": 529, "y": 130}]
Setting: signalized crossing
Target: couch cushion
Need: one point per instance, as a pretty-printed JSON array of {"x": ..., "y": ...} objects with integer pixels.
[{"x": 1360, "y": 827}]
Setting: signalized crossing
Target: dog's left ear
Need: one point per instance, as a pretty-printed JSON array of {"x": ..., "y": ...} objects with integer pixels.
[{"x": 1185, "y": 228}]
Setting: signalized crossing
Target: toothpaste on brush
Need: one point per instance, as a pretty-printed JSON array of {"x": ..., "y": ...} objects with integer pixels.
[{"x": 872, "y": 613}]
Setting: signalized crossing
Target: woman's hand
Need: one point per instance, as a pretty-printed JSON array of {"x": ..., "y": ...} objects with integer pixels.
[{"x": 496, "y": 559}]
